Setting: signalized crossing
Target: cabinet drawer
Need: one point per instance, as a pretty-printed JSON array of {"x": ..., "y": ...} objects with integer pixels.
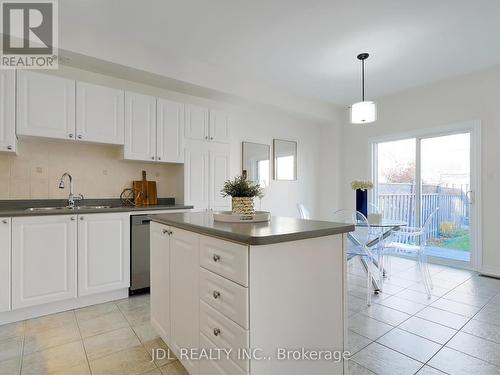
[
  {"x": 225, "y": 258},
  {"x": 227, "y": 297},
  {"x": 222, "y": 366},
  {"x": 223, "y": 332}
]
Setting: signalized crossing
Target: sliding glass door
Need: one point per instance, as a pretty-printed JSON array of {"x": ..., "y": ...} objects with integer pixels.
[{"x": 420, "y": 176}]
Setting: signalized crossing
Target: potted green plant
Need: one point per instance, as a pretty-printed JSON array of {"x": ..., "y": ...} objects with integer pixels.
[{"x": 242, "y": 192}]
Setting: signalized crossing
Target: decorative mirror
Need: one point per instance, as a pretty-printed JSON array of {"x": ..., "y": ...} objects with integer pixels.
[
  {"x": 285, "y": 160},
  {"x": 256, "y": 161}
]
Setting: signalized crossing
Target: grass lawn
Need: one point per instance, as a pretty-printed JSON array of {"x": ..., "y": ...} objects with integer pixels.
[{"x": 458, "y": 243}]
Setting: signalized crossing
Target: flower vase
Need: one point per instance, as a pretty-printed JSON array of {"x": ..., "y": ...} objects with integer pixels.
[
  {"x": 362, "y": 201},
  {"x": 243, "y": 206}
]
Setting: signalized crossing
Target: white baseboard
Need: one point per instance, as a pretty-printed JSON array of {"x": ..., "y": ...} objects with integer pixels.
[
  {"x": 55, "y": 307},
  {"x": 490, "y": 271}
]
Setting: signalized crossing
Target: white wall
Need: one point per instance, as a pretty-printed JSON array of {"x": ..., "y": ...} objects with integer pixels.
[
  {"x": 471, "y": 97},
  {"x": 255, "y": 124}
]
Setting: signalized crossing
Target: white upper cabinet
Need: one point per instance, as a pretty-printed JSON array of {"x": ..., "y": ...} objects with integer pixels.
[
  {"x": 103, "y": 252},
  {"x": 45, "y": 105},
  {"x": 206, "y": 125},
  {"x": 5, "y": 243},
  {"x": 8, "y": 140},
  {"x": 169, "y": 131},
  {"x": 219, "y": 172},
  {"x": 43, "y": 259},
  {"x": 219, "y": 126},
  {"x": 99, "y": 114},
  {"x": 140, "y": 127},
  {"x": 196, "y": 122}
]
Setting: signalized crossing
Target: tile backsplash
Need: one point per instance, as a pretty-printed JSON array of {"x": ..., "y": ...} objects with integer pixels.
[{"x": 98, "y": 171}]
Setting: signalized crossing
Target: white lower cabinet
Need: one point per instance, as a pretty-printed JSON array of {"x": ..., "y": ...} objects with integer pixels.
[
  {"x": 160, "y": 278},
  {"x": 5, "y": 243},
  {"x": 223, "y": 366},
  {"x": 192, "y": 307},
  {"x": 184, "y": 294},
  {"x": 103, "y": 252},
  {"x": 43, "y": 259},
  {"x": 60, "y": 257}
]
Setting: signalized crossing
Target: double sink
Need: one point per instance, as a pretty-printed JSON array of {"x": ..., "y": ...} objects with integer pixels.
[{"x": 43, "y": 209}]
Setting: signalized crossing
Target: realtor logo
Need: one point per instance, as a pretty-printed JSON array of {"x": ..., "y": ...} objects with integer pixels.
[{"x": 29, "y": 34}]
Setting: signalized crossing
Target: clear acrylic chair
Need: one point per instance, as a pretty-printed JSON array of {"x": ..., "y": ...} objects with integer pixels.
[
  {"x": 357, "y": 243},
  {"x": 412, "y": 240},
  {"x": 373, "y": 209},
  {"x": 303, "y": 211}
]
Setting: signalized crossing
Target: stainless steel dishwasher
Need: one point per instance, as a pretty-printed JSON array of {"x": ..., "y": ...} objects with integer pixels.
[{"x": 139, "y": 254}]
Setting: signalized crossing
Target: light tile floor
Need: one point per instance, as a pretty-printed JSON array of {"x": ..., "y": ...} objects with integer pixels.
[
  {"x": 457, "y": 331},
  {"x": 110, "y": 338}
]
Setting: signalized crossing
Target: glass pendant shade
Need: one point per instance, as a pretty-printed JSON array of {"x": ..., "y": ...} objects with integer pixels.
[{"x": 363, "y": 112}]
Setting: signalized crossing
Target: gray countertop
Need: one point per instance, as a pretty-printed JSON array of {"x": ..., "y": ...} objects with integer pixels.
[
  {"x": 11, "y": 208},
  {"x": 279, "y": 229}
]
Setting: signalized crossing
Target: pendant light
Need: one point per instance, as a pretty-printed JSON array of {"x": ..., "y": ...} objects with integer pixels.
[{"x": 363, "y": 112}]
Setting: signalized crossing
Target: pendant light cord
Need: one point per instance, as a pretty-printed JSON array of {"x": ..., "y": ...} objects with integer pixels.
[{"x": 363, "y": 79}]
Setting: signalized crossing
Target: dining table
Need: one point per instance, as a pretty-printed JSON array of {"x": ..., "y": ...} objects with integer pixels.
[{"x": 384, "y": 228}]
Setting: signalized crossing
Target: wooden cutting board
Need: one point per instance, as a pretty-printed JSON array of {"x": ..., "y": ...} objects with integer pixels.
[{"x": 147, "y": 189}]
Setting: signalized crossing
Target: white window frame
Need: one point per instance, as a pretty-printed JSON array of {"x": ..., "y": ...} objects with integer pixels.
[{"x": 474, "y": 128}]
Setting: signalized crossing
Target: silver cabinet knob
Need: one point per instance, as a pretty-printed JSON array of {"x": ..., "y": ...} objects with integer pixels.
[
  {"x": 70, "y": 135},
  {"x": 4, "y": 221},
  {"x": 159, "y": 158},
  {"x": 216, "y": 258},
  {"x": 9, "y": 147},
  {"x": 81, "y": 218},
  {"x": 73, "y": 218},
  {"x": 216, "y": 331},
  {"x": 152, "y": 158},
  {"x": 211, "y": 138},
  {"x": 216, "y": 294},
  {"x": 80, "y": 136},
  {"x": 206, "y": 137},
  {"x": 165, "y": 231}
]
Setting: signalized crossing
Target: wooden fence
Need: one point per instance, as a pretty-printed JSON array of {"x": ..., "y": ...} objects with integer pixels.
[{"x": 453, "y": 208}]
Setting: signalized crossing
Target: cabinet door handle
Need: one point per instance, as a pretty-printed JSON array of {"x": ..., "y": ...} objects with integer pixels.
[
  {"x": 81, "y": 218},
  {"x": 80, "y": 136},
  {"x": 73, "y": 218},
  {"x": 9, "y": 147},
  {"x": 152, "y": 158},
  {"x": 206, "y": 137},
  {"x": 216, "y": 294},
  {"x": 216, "y": 331},
  {"x": 165, "y": 231},
  {"x": 216, "y": 258},
  {"x": 70, "y": 135},
  {"x": 211, "y": 138},
  {"x": 159, "y": 158},
  {"x": 4, "y": 221}
]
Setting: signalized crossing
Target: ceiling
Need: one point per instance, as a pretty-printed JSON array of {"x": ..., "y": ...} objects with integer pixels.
[{"x": 306, "y": 48}]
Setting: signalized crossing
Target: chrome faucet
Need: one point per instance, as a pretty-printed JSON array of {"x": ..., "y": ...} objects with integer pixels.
[{"x": 71, "y": 197}]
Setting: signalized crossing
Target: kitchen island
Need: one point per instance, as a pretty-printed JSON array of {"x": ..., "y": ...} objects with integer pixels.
[{"x": 249, "y": 298}]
